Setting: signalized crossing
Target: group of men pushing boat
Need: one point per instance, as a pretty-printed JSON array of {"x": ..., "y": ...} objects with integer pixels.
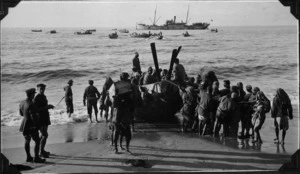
[{"x": 204, "y": 108}]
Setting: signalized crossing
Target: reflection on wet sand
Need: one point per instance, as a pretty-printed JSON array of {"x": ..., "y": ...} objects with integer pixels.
[{"x": 69, "y": 133}]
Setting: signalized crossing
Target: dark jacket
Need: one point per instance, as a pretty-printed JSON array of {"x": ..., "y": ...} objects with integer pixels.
[
  {"x": 91, "y": 92},
  {"x": 205, "y": 105},
  {"x": 41, "y": 103},
  {"x": 28, "y": 111}
]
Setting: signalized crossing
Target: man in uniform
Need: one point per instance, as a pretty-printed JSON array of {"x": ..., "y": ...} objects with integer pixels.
[
  {"x": 29, "y": 126},
  {"x": 136, "y": 63},
  {"x": 41, "y": 102},
  {"x": 69, "y": 97},
  {"x": 91, "y": 94}
]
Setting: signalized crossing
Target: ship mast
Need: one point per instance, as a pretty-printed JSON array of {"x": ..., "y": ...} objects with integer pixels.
[
  {"x": 154, "y": 21},
  {"x": 187, "y": 15}
]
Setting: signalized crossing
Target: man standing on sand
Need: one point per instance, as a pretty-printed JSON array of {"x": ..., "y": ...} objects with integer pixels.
[
  {"x": 69, "y": 97},
  {"x": 91, "y": 94},
  {"x": 41, "y": 102},
  {"x": 136, "y": 63},
  {"x": 29, "y": 126}
]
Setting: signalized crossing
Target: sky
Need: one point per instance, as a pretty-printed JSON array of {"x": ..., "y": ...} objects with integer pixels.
[{"x": 126, "y": 14}]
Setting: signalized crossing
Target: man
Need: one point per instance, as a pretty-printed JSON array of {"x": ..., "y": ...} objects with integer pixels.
[
  {"x": 248, "y": 111},
  {"x": 226, "y": 90},
  {"x": 281, "y": 111},
  {"x": 179, "y": 73},
  {"x": 29, "y": 126},
  {"x": 91, "y": 94},
  {"x": 69, "y": 97},
  {"x": 148, "y": 78},
  {"x": 136, "y": 63},
  {"x": 121, "y": 112},
  {"x": 41, "y": 102}
]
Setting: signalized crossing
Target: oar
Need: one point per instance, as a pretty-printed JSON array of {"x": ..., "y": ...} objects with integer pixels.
[
  {"x": 60, "y": 101},
  {"x": 174, "y": 56},
  {"x": 153, "y": 49}
]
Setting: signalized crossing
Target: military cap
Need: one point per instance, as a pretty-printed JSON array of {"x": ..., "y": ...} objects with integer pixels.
[
  {"x": 41, "y": 85},
  {"x": 30, "y": 91},
  {"x": 70, "y": 81}
]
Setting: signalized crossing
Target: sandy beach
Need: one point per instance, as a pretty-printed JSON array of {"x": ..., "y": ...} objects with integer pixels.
[{"x": 85, "y": 148}]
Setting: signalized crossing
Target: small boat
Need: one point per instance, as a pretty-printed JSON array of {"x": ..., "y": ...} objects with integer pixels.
[
  {"x": 113, "y": 35},
  {"x": 214, "y": 30},
  {"x": 53, "y": 31},
  {"x": 124, "y": 31},
  {"x": 186, "y": 34},
  {"x": 142, "y": 35},
  {"x": 83, "y": 32},
  {"x": 160, "y": 37},
  {"x": 36, "y": 30},
  {"x": 92, "y": 30}
]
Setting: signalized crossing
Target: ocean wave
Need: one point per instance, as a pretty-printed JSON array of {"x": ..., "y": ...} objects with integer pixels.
[
  {"x": 57, "y": 117},
  {"x": 44, "y": 75}
]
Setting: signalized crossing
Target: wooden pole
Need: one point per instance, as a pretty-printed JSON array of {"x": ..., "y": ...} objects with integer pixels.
[
  {"x": 174, "y": 56},
  {"x": 153, "y": 49}
]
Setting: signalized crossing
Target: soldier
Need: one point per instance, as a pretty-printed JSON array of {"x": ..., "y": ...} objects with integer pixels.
[
  {"x": 121, "y": 114},
  {"x": 69, "y": 97},
  {"x": 91, "y": 94},
  {"x": 29, "y": 126},
  {"x": 41, "y": 102}
]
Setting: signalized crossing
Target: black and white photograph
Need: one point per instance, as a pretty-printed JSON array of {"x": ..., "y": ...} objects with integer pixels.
[{"x": 132, "y": 86}]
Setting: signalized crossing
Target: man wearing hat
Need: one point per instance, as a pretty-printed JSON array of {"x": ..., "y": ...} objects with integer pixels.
[
  {"x": 91, "y": 95},
  {"x": 136, "y": 63},
  {"x": 69, "y": 97},
  {"x": 29, "y": 126},
  {"x": 226, "y": 90},
  {"x": 42, "y": 105}
]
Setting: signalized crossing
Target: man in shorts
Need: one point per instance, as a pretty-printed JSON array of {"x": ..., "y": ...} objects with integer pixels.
[
  {"x": 29, "y": 126},
  {"x": 91, "y": 95}
]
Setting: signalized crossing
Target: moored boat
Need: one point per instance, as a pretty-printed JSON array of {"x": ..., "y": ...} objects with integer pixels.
[
  {"x": 140, "y": 35},
  {"x": 83, "y": 32},
  {"x": 124, "y": 31},
  {"x": 53, "y": 31},
  {"x": 36, "y": 30},
  {"x": 113, "y": 35},
  {"x": 186, "y": 34}
]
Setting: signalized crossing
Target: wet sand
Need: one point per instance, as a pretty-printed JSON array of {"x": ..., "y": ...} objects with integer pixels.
[{"x": 85, "y": 148}]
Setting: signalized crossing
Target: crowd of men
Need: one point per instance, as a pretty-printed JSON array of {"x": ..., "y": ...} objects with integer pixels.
[{"x": 205, "y": 109}]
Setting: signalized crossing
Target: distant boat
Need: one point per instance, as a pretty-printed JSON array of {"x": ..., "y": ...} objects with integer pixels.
[
  {"x": 113, "y": 35},
  {"x": 83, "y": 32},
  {"x": 214, "y": 30},
  {"x": 142, "y": 35},
  {"x": 92, "y": 30},
  {"x": 53, "y": 31},
  {"x": 186, "y": 34},
  {"x": 124, "y": 31},
  {"x": 36, "y": 30}
]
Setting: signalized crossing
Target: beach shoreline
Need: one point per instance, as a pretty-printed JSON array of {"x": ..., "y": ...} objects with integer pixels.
[{"x": 85, "y": 147}]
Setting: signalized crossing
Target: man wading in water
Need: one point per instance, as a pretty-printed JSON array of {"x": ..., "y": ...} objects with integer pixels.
[
  {"x": 69, "y": 97},
  {"x": 91, "y": 94}
]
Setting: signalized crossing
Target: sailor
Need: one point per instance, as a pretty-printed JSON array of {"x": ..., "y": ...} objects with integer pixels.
[
  {"x": 226, "y": 90},
  {"x": 281, "y": 111},
  {"x": 179, "y": 73},
  {"x": 29, "y": 126},
  {"x": 91, "y": 95},
  {"x": 41, "y": 102},
  {"x": 69, "y": 97},
  {"x": 136, "y": 63}
]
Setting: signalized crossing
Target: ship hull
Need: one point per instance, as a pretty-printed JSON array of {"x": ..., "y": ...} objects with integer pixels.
[{"x": 171, "y": 27}]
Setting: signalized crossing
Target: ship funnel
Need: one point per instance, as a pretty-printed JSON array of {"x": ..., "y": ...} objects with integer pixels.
[{"x": 174, "y": 19}]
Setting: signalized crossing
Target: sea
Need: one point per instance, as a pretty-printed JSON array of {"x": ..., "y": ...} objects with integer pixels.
[{"x": 260, "y": 56}]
